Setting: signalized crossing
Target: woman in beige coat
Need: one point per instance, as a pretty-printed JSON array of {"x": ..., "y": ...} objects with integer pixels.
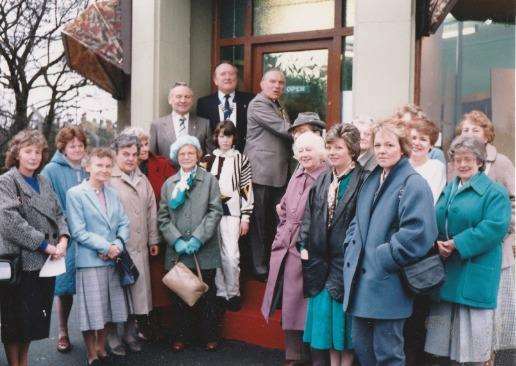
[{"x": 137, "y": 196}]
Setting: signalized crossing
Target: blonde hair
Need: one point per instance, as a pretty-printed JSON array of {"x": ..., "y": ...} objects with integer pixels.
[
  {"x": 397, "y": 127},
  {"x": 23, "y": 139},
  {"x": 310, "y": 139},
  {"x": 479, "y": 119}
]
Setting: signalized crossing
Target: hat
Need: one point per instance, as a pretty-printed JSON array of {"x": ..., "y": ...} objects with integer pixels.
[
  {"x": 180, "y": 142},
  {"x": 308, "y": 118}
]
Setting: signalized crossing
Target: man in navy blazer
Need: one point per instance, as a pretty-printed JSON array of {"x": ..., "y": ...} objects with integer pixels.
[{"x": 226, "y": 103}]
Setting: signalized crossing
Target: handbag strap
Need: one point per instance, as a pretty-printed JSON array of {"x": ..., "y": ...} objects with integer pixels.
[{"x": 199, "y": 273}]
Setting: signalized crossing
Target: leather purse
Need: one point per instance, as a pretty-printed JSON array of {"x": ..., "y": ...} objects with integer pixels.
[
  {"x": 126, "y": 268},
  {"x": 184, "y": 283},
  {"x": 424, "y": 276}
]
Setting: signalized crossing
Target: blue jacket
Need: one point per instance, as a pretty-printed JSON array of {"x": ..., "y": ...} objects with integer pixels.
[
  {"x": 91, "y": 229},
  {"x": 62, "y": 176},
  {"x": 392, "y": 228},
  {"x": 476, "y": 217}
]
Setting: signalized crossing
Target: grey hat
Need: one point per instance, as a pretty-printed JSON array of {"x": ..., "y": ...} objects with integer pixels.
[{"x": 308, "y": 118}]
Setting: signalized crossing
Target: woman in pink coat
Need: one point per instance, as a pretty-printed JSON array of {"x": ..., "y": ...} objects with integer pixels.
[{"x": 285, "y": 283}]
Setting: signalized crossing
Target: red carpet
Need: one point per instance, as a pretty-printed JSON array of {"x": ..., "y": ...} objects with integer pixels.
[{"x": 248, "y": 325}]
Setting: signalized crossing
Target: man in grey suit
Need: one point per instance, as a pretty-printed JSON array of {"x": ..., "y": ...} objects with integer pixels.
[
  {"x": 165, "y": 130},
  {"x": 268, "y": 148}
]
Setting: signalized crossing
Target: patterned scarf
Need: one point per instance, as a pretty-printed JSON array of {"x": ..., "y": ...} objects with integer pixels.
[
  {"x": 182, "y": 187},
  {"x": 334, "y": 188}
]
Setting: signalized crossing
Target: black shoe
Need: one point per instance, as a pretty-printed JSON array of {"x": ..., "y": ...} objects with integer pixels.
[{"x": 234, "y": 303}]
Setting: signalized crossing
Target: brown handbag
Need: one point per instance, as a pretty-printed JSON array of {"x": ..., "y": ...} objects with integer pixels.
[{"x": 184, "y": 283}]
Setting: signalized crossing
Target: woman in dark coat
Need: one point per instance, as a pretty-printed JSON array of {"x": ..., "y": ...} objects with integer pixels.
[
  {"x": 329, "y": 211},
  {"x": 31, "y": 222},
  {"x": 394, "y": 226}
]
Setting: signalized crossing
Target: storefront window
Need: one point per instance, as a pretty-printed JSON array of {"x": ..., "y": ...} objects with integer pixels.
[
  {"x": 287, "y": 16},
  {"x": 235, "y": 55},
  {"x": 232, "y": 14},
  {"x": 307, "y": 79},
  {"x": 469, "y": 65}
]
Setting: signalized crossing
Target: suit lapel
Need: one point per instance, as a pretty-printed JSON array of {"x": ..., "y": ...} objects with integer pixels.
[
  {"x": 90, "y": 194},
  {"x": 192, "y": 126},
  {"x": 168, "y": 129}
]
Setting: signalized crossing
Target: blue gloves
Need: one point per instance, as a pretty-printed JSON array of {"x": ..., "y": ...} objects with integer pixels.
[
  {"x": 193, "y": 245},
  {"x": 180, "y": 246}
]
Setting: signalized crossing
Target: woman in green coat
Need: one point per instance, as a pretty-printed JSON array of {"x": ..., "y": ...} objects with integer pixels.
[
  {"x": 473, "y": 215},
  {"x": 189, "y": 214}
]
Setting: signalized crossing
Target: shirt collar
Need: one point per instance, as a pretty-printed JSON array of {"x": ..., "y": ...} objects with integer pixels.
[
  {"x": 176, "y": 116},
  {"x": 185, "y": 175},
  {"x": 222, "y": 96}
]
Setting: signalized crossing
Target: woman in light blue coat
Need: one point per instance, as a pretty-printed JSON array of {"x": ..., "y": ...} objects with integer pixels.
[
  {"x": 99, "y": 227},
  {"x": 65, "y": 171},
  {"x": 394, "y": 226}
]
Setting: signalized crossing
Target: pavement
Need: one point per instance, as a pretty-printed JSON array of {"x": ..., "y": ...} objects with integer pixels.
[{"x": 43, "y": 353}]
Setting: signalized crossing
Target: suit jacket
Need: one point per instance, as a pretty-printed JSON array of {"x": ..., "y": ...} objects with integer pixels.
[
  {"x": 208, "y": 107},
  {"x": 92, "y": 229},
  {"x": 27, "y": 218},
  {"x": 268, "y": 144},
  {"x": 394, "y": 226},
  {"x": 162, "y": 134}
]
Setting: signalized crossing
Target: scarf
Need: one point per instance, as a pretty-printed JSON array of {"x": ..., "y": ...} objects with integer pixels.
[
  {"x": 181, "y": 189},
  {"x": 334, "y": 188}
]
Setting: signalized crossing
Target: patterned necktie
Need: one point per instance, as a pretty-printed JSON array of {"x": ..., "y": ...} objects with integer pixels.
[
  {"x": 227, "y": 108},
  {"x": 182, "y": 127}
]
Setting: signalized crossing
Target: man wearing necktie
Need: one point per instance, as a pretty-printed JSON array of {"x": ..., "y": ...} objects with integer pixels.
[
  {"x": 226, "y": 103},
  {"x": 268, "y": 148},
  {"x": 165, "y": 130}
]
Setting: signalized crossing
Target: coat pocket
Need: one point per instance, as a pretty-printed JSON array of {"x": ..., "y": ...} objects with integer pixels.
[{"x": 479, "y": 283}]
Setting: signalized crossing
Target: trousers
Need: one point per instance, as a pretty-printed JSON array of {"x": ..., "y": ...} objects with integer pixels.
[
  {"x": 378, "y": 342},
  {"x": 227, "y": 279}
]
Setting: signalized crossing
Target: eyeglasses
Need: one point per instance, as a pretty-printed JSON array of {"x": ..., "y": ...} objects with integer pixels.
[{"x": 465, "y": 160}]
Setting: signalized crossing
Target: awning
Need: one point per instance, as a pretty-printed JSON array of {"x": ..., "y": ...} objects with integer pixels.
[{"x": 94, "y": 49}]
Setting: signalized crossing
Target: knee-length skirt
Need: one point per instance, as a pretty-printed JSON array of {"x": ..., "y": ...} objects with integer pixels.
[
  {"x": 100, "y": 298},
  {"x": 505, "y": 312},
  {"x": 459, "y": 332}
]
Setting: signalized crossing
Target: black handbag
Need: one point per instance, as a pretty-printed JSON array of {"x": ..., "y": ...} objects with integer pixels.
[{"x": 126, "y": 268}]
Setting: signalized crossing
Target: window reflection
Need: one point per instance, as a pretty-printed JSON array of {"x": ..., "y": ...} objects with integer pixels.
[
  {"x": 232, "y": 14},
  {"x": 235, "y": 55},
  {"x": 286, "y": 16},
  {"x": 470, "y": 65},
  {"x": 347, "y": 79},
  {"x": 307, "y": 79},
  {"x": 349, "y": 13}
]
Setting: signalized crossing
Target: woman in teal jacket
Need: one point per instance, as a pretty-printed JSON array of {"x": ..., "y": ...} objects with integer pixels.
[{"x": 473, "y": 216}]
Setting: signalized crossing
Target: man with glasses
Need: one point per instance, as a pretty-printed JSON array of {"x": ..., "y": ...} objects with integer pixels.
[{"x": 165, "y": 130}]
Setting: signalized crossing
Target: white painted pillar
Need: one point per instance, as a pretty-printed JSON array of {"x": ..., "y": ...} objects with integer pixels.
[
  {"x": 383, "y": 64},
  {"x": 160, "y": 56}
]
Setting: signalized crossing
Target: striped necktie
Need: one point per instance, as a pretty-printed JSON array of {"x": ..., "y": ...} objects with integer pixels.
[
  {"x": 227, "y": 107},
  {"x": 182, "y": 127}
]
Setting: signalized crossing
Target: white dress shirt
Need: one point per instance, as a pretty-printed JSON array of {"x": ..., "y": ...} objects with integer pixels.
[
  {"x": 176, "y": 119},
  {"x": 232, "y": 104}
]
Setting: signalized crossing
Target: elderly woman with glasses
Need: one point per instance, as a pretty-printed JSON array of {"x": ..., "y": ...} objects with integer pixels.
[
  {"x": 189, "y": 215},
  {"x": 285, "y": 281},
  {"x": 473, "y": 216}
]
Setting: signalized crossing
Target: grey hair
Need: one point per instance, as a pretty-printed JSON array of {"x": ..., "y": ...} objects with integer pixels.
[
  {"x": 178, "y": 84},
  {"x": 136, "y": 131},
  {"x": 310, "y": 139},
  {"x": 123, "y": 140},
  {"x": 363, "y": 120},
  {"x": 469, "y": 144},
  {"x": 274, "y": 69}
]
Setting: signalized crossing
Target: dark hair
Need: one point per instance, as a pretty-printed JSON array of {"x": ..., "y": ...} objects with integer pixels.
[
  {"x": 351, "y": 136},
  {"x": 23, "y": 139},
  {"x": 67, "y": 134},
  {"x": 425, "y": 127},
  {"x": 227, "y": 128}
]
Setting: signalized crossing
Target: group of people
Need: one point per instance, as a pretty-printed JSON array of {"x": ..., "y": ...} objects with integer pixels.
[{"x": 329, "y": 229}]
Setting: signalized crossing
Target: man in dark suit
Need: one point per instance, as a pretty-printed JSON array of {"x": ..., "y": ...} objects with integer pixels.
[
  {"x": 268, "y": 148},
  {"x": 165, "y": 130},
  {"x": 226, "y": 103}
]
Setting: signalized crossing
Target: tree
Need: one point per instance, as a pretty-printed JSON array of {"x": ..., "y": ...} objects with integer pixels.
[{"x": 33, "y": 67}]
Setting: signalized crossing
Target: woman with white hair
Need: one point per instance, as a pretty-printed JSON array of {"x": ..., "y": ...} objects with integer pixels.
[
  {"x": 189, "y": 215},
  {"x": 330, "y": 209},
  {"x": 285, "y": 282}
]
